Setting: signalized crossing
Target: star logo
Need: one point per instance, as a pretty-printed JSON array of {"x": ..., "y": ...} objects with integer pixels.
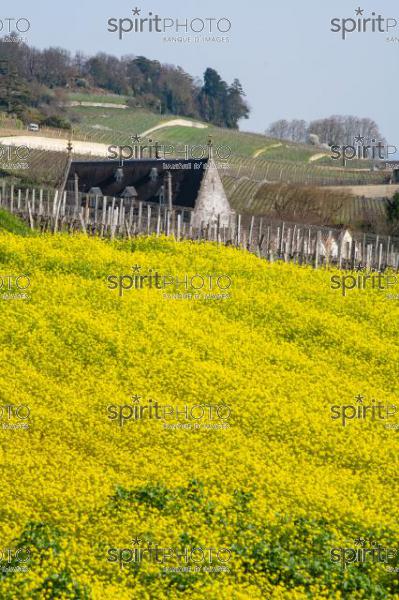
[
  {"x": 359, "y": 139},
  {"x": 136, "y": 541},
  {"x": 136, "y": 269},
  {"x": 359, "y": 399},
  {"x": 360, "y": 542},
  {"x": 136, "y": 398},
  {"x": 135, "y": 139},
  {"x": 136, "y": 11},
  {"x": 359, "y": 12}
]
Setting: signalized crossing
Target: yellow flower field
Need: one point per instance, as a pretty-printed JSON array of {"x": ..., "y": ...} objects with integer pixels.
[{"x": 88, "y": 491}]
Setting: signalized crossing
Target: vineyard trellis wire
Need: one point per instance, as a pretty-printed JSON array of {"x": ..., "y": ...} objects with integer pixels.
[{"x": 48, "y": 210}]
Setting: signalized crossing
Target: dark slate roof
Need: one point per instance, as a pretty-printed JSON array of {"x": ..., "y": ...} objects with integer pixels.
[{"x": 186, "y": 180}]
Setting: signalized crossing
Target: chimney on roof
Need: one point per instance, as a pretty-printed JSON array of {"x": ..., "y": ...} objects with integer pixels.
[
  {"x": 154, "y": 175},
  {"x": 118, "y": 175}
]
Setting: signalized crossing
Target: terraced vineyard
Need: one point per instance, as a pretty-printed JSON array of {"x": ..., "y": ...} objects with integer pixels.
[
  {"x": 249, "y": 197},
  {"x": 117, "y": 126},
  {"x": 327, "y": 161},
  {"x": 44, "y": 168},
  {"x": 300, "y": 173},
  {"x": 111, "y": 126},
  {"x": 252, "y": 155},
  {"x": 285, "y": 151},
  {"x": 238, "y": 143}
]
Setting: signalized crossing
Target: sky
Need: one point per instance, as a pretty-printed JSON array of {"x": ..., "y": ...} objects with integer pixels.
[{"x": 289, "y": 62}]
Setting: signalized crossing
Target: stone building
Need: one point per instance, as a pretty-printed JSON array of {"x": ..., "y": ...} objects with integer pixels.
[{"x": 179, "y": 184}]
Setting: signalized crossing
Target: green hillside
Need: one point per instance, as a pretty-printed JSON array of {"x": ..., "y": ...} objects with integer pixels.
[
  {"x": 113, "y": 126},
  {"x": 98, "y": 98},
  {"x": 116, "y": 126},
  {"x": 12, "y": 224}
]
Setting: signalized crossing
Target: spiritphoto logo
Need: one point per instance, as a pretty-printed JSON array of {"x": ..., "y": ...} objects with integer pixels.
[
  {"x": 365, "y": 551},
  {"x": 14, "y": 559},
  {"x": 363, "y": 410},
  {"x": 189, "y": 29},
  {"x": 211, "y": 286},
  {"x": 154, "y": 150},
  {"x": 13, "y": 28},
  {"x": 14, "y": 417},
  {"x": 371, "y": 281},
  {"x": 362, "y": 23},
  {"x": 187, "y": 558},
  {"x": 14, "y": 157},
  {"x": 195, "y": 416},
  {"x": 363, "y": 148},
  {"x": 13, "y": 287}
]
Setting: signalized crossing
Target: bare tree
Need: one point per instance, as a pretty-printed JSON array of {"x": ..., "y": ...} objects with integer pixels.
[
  {"x": 278, "y": 129},
  {"x": 335, "y": 130},
  {"x": 342, "y": 130},
  {"x": 298, "y": 130}
]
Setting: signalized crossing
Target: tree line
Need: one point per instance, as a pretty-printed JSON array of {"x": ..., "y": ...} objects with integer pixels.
[
  {"x": 335, "y": 130},
  {"x": 32, "y": 81}
]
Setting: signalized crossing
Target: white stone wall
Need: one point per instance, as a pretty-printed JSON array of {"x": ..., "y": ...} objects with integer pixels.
[{"x": 212, "y": 200}]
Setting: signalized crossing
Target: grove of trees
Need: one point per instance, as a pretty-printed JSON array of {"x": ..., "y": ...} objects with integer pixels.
[
  {"x": 32, "y": 82},
  {"x": 335, "y": 130}
]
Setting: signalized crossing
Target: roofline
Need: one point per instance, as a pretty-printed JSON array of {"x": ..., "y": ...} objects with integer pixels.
[{"x": 140, "y": 161}]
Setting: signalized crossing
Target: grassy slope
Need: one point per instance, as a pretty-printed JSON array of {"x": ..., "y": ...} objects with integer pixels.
[
  {"x": 121, "y": 124},
  {"x": 125, "y": 123},
  {"x": 245, "y": 144},
  {"x": 100, "y": 98},
  {"x": 281, "y": 487},
  {"x": 12, "y": 224},
  {"x": 112, "y": 126}
]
